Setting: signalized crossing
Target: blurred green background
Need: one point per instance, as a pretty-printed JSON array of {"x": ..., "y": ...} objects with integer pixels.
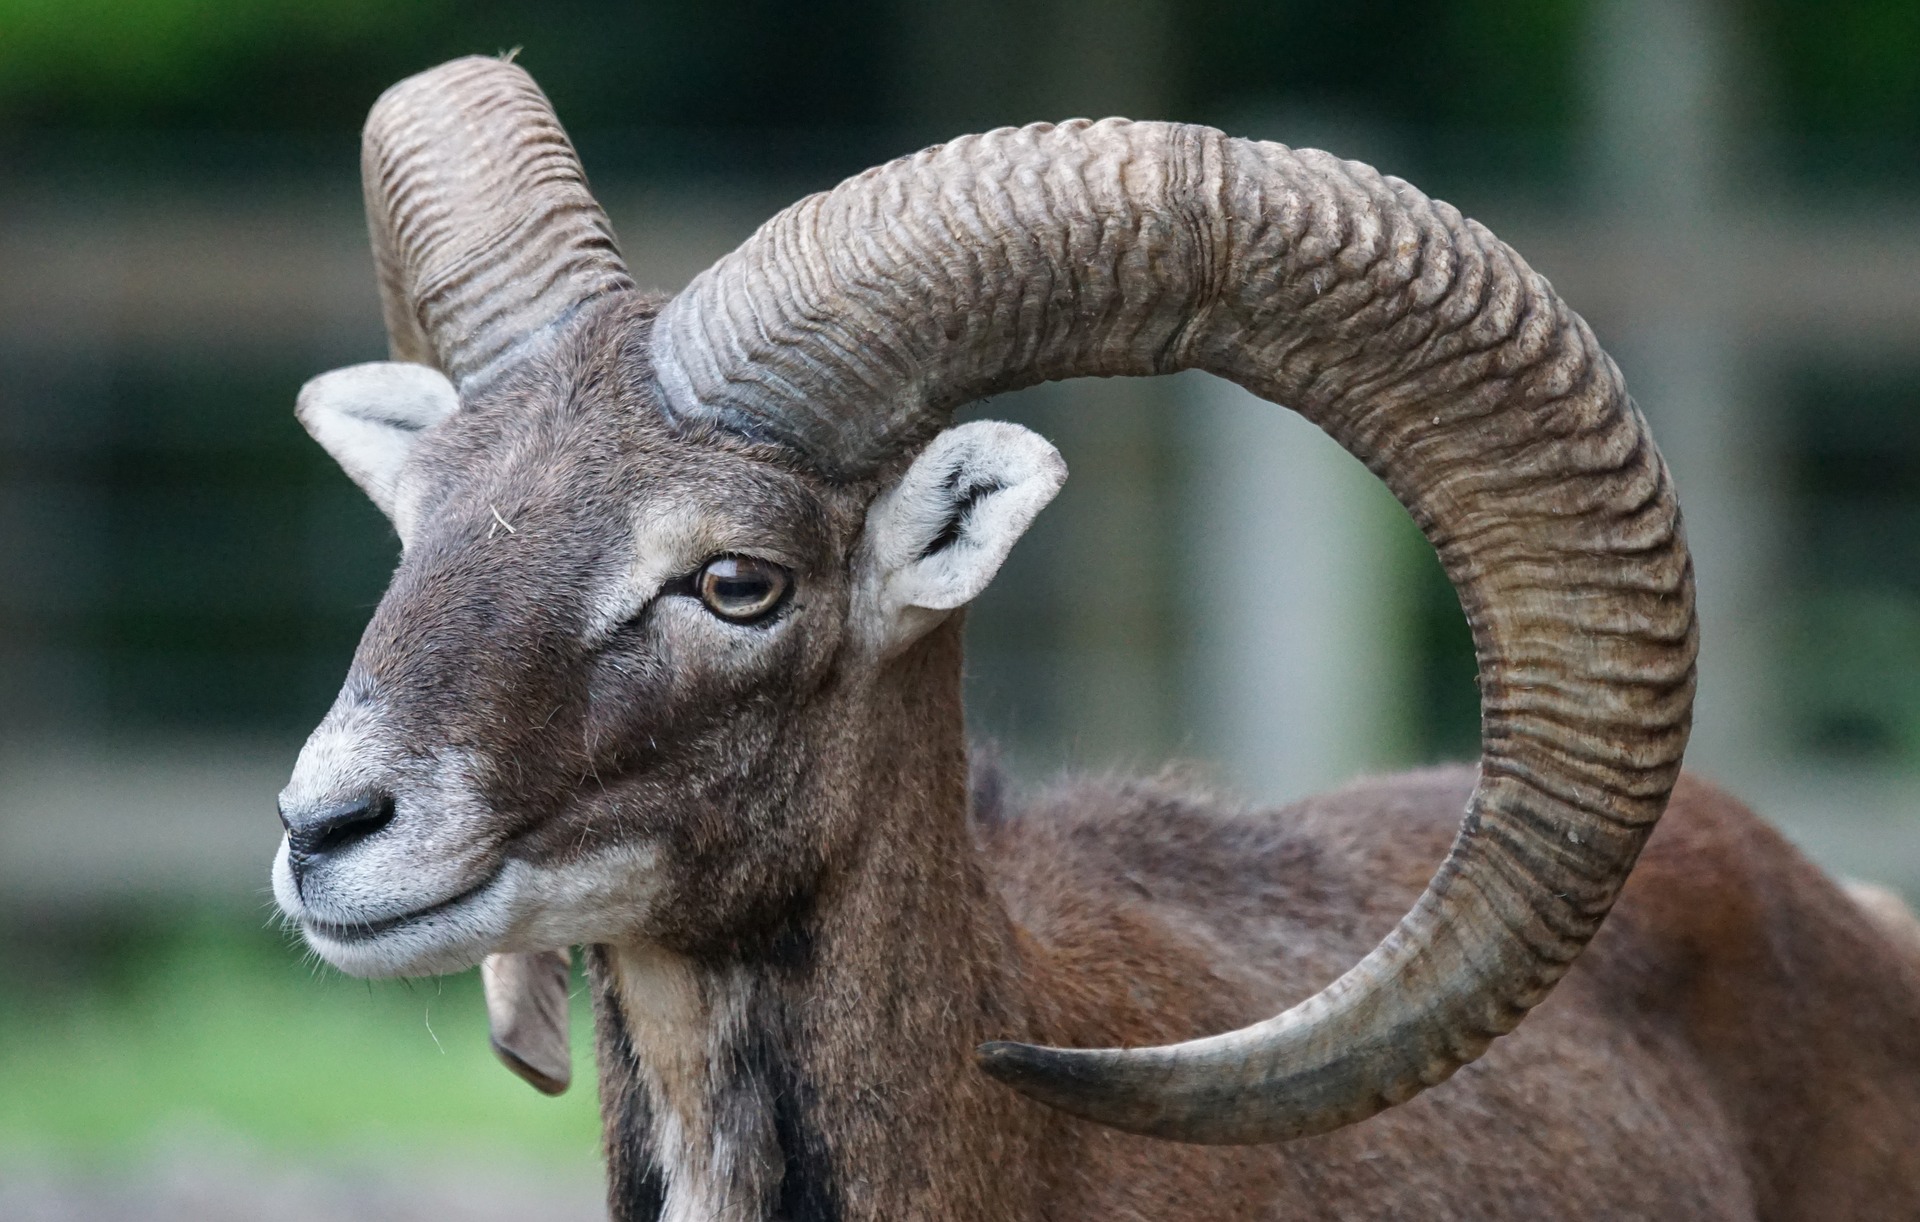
[{"x": 1724, "y": 189}]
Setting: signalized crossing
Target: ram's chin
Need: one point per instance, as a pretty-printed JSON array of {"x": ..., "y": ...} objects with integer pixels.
[
  {"x": 449, "y": 936},
  {"x": 434, "y": 946}
]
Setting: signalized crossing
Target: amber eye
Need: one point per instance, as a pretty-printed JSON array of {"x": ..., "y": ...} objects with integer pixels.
[{"x": 741, "y": 588}]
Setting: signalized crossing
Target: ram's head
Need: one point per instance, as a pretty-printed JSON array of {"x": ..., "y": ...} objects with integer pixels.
[{"x": 622, "y": 661}]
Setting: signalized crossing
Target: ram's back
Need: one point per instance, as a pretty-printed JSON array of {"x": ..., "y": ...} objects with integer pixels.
[{"x": 1742, "y": 1040}]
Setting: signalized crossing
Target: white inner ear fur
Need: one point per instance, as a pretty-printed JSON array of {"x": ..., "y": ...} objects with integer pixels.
[
  {"x": 936, "y": 538},
  {"x": 368, "y": 417}
]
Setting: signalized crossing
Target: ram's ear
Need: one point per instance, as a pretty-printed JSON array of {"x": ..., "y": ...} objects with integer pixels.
[
  {"x": 368, "y": 417},
  {"x": 527, "y": 1015},
  {"x": 936, "y": 538}
]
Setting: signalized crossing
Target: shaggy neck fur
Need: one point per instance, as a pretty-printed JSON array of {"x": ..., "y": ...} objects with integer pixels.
[{"x": 819, "y": 1075}]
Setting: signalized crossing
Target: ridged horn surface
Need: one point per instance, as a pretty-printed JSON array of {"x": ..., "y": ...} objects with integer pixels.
[
  {"x": 853, "y": 323},
  {"x": 485, "y": 238}
]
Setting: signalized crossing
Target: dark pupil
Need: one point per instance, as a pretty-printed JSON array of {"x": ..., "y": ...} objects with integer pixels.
[
  {"x": 740, "y": 589},
  {"x": 736, "y": 587}
]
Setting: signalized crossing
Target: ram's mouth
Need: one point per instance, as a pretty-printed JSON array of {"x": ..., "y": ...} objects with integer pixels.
[{"x": 356, "y": 932}]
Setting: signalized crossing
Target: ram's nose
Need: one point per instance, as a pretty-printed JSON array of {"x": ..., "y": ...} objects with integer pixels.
[{"x": 314, "y": 834}]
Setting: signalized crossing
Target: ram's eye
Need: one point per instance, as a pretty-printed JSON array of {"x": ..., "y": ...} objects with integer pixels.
[{"x": 741, "y": 588}]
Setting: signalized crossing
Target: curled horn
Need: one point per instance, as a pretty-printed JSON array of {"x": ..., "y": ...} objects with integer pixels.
[
  {"x": 485, "y": 238},
  {"x": 852, "y": 324}
]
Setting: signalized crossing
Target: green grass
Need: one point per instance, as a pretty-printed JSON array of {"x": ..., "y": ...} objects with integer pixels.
[{"x": 210, "y": 1024}]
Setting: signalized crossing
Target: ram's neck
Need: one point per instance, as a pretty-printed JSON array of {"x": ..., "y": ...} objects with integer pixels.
[{"x": 827, "y": 1073}]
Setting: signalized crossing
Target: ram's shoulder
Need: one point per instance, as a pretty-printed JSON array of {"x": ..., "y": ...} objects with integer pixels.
[
  {"x": 1177, "y": 816},
  {"x": 1719, "y": 886},
  {"x": 1345, "y": 863}
]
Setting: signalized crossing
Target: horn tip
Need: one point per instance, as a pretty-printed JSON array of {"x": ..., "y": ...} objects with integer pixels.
[
  {"x": 1005, "y": 1059},
  {"x": 1074, "y": 1079},
  {"x": 1120, "y": 1090}
]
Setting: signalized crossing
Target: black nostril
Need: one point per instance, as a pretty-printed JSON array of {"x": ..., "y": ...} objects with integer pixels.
[{"x": 338, "y": 827}]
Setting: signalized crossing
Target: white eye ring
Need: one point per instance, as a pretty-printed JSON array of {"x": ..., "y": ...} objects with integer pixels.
[{"x": 742, "y": 589}]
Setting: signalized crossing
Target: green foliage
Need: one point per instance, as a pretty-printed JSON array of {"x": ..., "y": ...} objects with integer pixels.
[
  {"x": 304, "y": 65},
  {"x": 1853, "y": 675},
  {"x": 1851, "y": 625},
  {"x": 1508, "y": 63},
  {"x": 1478, "y": 63},
  {"x": 1844, "y": 68},
  {"x": 225, "y": 568},
  {"x": 1839, "y": 81},
  {"x": 206, "y": 1024},
  {"x": 118, "y": 59}
]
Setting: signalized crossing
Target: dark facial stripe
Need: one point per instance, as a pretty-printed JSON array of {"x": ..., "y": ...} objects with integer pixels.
[
  {"x": 768, "y": 1073},
  {"x": 807, "y": 1189},
  {"x": 763, "y": 1100}
]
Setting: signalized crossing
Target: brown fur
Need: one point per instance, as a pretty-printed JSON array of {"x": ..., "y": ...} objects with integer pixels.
[
  {"x": 1738, "y": 1043},
  {"x": 787, "y": 1021}
]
